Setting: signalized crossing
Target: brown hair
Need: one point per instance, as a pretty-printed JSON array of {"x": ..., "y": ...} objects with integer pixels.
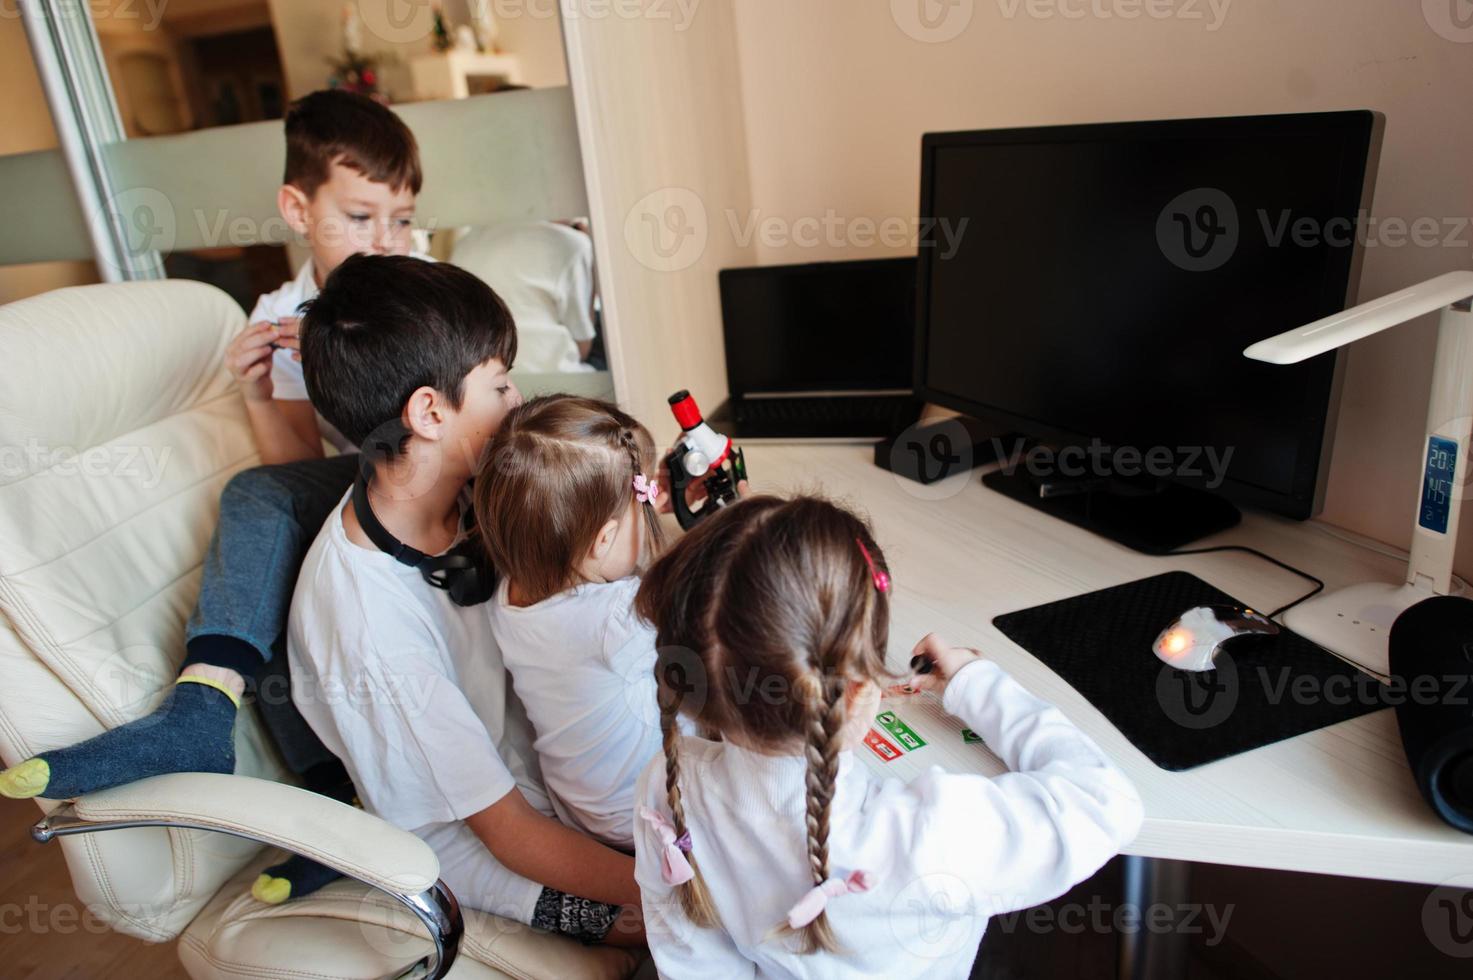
[
  {"x": 334, "y": 126},
  {"x": 559, "y": 467},
  {"x": 769, "y": 594}
]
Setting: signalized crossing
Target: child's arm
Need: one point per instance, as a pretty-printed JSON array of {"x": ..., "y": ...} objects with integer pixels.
[
  {"x": 285, "y": 431},
  {"x": 539, "y": 848},
  {"x": 1029, "y": 835},
  {"x": 679, "y": 948},
  {"x": 295, "y": 436}
]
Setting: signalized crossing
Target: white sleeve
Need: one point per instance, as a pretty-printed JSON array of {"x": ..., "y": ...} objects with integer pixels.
[
  {"x": 680, "y": 949},
  {"x": 269, "y": 306},
  {"x": 288, "y": 384},
  {"x": 418, "y": 752},
  {"x": 575, "y": 293},
  {"x": 1028, "y": 835}
]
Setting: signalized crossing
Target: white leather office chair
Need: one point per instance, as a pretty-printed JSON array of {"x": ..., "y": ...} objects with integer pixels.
[{"x": 118, "y": 428}]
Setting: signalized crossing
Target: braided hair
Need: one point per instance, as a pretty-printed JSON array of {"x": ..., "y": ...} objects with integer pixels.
[{"x": 776, "y": 592}]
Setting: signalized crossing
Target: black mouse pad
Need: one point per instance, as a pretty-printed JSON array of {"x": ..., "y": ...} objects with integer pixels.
[{"x": 1263, "y": 688}]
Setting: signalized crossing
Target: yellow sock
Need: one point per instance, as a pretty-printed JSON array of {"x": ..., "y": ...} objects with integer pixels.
[
  {"x": 25, "y": 780},
  {"x": 272, "y": 891}
]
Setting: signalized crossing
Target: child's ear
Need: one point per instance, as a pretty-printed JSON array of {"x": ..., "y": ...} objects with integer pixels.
[
  {"x": 858, "y": 694},
  {"x": 292, "y": 204},
  {"x": 605, "y": 540},
  {"x": 424, "y": 414},
  {"x": 861, "y": 704}
]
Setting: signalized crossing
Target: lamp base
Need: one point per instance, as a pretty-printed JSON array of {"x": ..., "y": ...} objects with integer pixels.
[{"x": 1355, "y": 622}]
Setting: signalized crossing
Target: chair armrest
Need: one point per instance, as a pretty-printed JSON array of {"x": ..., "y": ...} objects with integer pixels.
[
  {"x": 333, "y": 834},
  {"x": 340, "y": 836}
]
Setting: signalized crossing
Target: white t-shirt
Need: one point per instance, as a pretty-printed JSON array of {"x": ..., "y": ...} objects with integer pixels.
[
  {"x": 409, "y": 690},
  {"x": 944, "y": 852},
  {"x": 287, "y": 381},
  {"x": 583, "y": 664},
  {"x": 543, "y": 271}
]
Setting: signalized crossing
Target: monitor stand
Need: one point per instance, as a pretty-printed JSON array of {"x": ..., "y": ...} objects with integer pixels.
[{"x": 1155, "y": 517}]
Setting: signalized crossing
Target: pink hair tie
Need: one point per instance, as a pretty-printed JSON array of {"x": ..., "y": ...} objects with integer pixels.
[
  {"x": 811, "y": 905},
  {"x": 646, "y": 491},
  {"x": 882, "y": 579},
  {"x": 674, "y": 867}
]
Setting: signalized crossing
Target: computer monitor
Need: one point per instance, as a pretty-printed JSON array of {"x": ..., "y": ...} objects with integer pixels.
[
  {"x": 819, "y": 327},
  {"x": 1108, "y": 278}
]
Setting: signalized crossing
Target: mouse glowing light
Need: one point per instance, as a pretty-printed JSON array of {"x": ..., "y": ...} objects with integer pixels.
[{"x": 1177, "y": 641}]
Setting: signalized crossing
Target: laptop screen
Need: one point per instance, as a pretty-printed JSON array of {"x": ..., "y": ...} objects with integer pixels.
[{"x": 829, "y": 326}]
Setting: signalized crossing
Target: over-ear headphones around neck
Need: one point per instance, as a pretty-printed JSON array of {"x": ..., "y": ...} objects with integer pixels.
[{"x": 463, "y": 571}]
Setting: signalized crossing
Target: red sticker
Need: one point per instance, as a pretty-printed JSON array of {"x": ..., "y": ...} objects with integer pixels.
[{"x": 881, "y": 746}]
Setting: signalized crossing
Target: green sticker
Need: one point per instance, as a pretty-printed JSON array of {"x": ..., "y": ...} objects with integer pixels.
[
  {"x": 970, "y": 736},
  {"x": 899, "y": 730}
]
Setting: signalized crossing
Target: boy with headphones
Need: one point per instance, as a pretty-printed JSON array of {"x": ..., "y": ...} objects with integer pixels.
[{"x": 394, "y": 665}]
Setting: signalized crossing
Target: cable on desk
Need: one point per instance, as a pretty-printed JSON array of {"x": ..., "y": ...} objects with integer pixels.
[{"x": 1319, "y": 585}]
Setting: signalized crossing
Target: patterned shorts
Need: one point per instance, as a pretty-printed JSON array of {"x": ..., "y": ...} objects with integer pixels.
[{"x": 583, "y": 919}]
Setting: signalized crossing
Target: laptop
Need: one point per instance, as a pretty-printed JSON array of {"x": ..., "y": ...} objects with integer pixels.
[{"x": 819, "y": 352}]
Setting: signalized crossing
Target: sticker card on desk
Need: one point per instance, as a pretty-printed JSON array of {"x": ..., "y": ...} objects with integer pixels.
[
  {"x": 881, "y": 746},
  {"x": 899, "y": 731},
  {"x": 913, "y": 733}
]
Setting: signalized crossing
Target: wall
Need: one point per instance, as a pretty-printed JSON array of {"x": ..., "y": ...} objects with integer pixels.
[
  {"x": 660, "y": 120},
  {"x": 121, "y": 35},
  {"x": 836, "y": 96},
  {"x": 308, "y": 32},
  {"x": 28, "y": 127},
  {"x": 535, "y": 36}
]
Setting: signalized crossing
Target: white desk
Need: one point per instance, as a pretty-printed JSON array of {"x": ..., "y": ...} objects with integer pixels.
[{"x": 1336, "y": 801}]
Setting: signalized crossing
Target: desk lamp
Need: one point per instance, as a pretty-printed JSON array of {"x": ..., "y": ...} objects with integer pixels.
[{"x": 1354, "y": 621}]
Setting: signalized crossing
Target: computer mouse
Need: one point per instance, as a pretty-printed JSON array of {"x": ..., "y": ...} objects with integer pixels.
[{"x": 1193, "y": 641}]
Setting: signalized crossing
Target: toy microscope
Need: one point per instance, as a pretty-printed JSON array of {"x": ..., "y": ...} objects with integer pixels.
[{"x": 701, "y": 452}]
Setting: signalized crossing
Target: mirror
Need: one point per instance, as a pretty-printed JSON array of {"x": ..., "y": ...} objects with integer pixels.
[{"x": 192, "y": 65}]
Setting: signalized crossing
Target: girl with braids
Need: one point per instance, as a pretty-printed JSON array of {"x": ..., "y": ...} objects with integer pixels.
[
  {"x": 772, "y": 852},
  {"x": 565, "y": 504}
]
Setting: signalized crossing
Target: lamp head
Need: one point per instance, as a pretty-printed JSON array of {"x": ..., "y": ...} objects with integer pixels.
[{"x": 1323, "y": 336}]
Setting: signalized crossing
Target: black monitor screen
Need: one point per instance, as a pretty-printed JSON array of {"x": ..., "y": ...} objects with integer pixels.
[
  {"x": 1108, "y": 278},
  {"x": 831, "y": 326}
]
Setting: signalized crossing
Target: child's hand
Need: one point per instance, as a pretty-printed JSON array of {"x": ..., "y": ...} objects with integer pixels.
[
  {"x": 934, "y": 662},
  {"x": 289, "y": 335},
  {"x": 695, "y": 491},
  {"x": 248, "y": 358}
]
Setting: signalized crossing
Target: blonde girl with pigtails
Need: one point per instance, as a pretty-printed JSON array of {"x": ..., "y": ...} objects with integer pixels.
[
  {"x": 566, "y": 507},
  {"x": 764, "y": 848}
]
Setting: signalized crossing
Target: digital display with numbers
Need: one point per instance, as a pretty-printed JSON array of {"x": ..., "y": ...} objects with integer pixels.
[{"x": 1437, "y": 484}]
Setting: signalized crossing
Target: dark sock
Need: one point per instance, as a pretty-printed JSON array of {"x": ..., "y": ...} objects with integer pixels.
[
  {"x": 215, "y": 650},
  {"x": 192, "y": 731},
  {"x": 296, "y": 877}
]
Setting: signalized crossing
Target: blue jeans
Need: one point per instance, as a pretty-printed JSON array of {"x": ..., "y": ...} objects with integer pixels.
[{"x": 269, "y": 516}]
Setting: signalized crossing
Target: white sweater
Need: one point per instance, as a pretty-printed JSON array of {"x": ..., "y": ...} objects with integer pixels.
[
  {"x": 584, "y": 665},
  {"x": 944, "y": 851}
]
